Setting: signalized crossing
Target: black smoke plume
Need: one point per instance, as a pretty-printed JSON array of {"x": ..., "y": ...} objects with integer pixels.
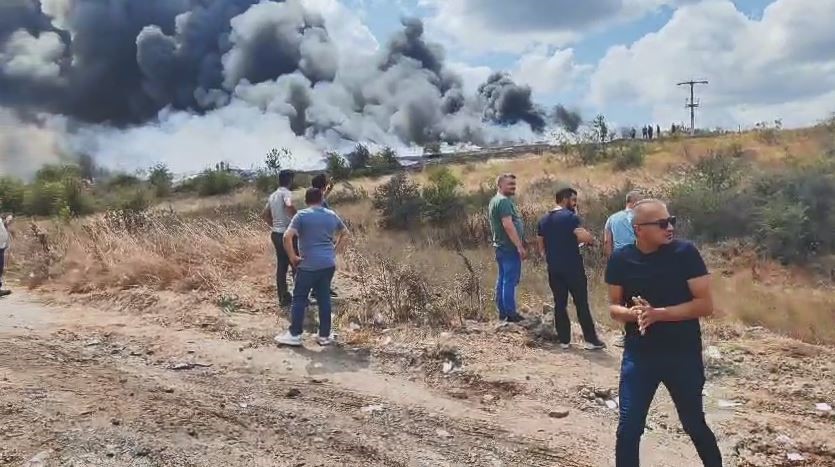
[{"x": 507, "y": 103}]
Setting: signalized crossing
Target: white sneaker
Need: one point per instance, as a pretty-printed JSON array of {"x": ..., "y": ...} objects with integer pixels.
[
  {"x": 288, "y": 339},
  {"x": 594, "y": 346},
  {"x": 326, "y": 341},
  {"x": 565, "y": 346}
]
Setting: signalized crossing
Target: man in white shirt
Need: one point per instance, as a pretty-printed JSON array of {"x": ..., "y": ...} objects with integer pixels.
[
  {"x": 4, "y": 245},
  {"x": 277, "y": 214}
]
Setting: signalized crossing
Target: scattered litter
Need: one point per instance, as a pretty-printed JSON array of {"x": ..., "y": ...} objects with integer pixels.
[
  {"x": 488, "y": 398},
  {"x": 448, "y": 366},
  {"x": 713, "y": 353},
  {"x": 188, "y": 365},
  {"x": 39, "y": 460},
  {"x": 723, "y": 404},
  {"x": 387, "y": 340},
  {"x": 371, "y": 409},
  {"x": 317, "y": 365},
  {"x": 443, "y": 433},
  {"x": 795, "y": 457},
  {"x": 354, "y": 327},
  {"x": 784, "y": 440},
  {"x": 611, "y": 404},
  {"x": 243, "y": 405},
  {"x": 823, "y": 407},
  {"x": 93, "y": 342}
]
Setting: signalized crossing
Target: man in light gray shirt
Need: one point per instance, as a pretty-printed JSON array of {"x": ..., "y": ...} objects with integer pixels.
[
  {"x": 320, "y": 232},
  {"x": 277, "y": 214},
  {"x": 4, "y": 245}
]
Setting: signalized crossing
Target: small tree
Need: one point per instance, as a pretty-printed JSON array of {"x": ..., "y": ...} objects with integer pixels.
[
  {"x": 161, "y": 179},
  {"x": 276, "y": 159},
  {"x": 337, "y": 166},
  {"x": 442, "y": 200},
  {"x": 359, "y": 157},
  {"x": 601, "y": 128},
  {"x": 398, "y": 202}
]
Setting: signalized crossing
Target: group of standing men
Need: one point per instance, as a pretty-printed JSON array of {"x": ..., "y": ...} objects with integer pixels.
[
  {"x": 659, "y": 288},
  {"x": 306, "y": 242}
]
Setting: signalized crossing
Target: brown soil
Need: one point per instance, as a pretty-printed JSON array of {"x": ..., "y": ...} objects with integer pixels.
[{"x": 95, "y": 385}]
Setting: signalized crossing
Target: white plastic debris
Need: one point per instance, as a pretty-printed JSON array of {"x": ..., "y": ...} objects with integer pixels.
[
  {"x": 611, "y": 404},
  {"x": 723, "y": 404},
  {"x": 443, "y": 433},
  {"x": 713, "y": 352},
  {"x": 823, "y": 407},
  {"x": 448, "y": 366},
  {"x": 372, "y": 408},
  {"x": 795, "y": 457}
]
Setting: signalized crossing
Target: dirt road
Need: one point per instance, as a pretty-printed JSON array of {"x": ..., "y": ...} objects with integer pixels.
[{"x": 89, "y": 386}]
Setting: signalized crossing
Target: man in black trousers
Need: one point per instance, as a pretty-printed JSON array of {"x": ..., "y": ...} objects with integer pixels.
[{"x": 559, "y": 238}]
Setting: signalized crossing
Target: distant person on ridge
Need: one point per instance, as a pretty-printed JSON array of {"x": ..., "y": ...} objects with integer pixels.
[
  {"x": 277, "y": 214},
  {"x": 618, "y": 232},
  {"x": 559, "y": 238},
  {"x": 660, "y": 287},
  {"x": 508, "y": 240},
  {"x": 649, "y": 131},
  {"x": 4, "y": 245},
  {"x": 658, "y": 131},
  {"x": 320, "y": 233},
  {"x": 644, "y": 132}
]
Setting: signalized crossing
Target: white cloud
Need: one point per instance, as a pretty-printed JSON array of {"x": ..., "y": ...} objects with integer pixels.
[
  {"x": 758, "y": 69},
  {"x": 514, "y": 26},
  {"x": 548, "y": 73}
]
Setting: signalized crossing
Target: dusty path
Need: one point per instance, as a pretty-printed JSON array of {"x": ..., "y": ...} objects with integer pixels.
[{"x": 85, "y": 386}]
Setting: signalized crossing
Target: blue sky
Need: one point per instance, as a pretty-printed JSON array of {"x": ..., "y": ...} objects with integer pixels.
[{"x": 608, "y": 61}]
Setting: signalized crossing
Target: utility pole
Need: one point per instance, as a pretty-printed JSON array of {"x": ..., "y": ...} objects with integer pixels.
[{"x": 692, "y": 104}]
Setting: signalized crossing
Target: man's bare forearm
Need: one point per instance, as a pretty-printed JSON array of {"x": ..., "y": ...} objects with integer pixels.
[
  {"x": 694, "y": 309},
  {"x": 623, "y": 314}
]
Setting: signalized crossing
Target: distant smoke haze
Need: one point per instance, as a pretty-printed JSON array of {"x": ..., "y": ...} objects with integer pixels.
[{"x": 193, "y": 82}]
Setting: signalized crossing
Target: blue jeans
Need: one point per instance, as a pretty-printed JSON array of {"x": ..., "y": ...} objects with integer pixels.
[
  {"x": 510, "y": 272},
  {"x": 319, "y": 282},
  {"x": 682, "y": 373}
]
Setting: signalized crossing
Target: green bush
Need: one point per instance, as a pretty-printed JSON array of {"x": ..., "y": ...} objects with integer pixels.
[
  {"x": 45, "y": 198},
  {"x": 266, "y": 181},
  {"x": 442, "y": 200},
  {"x": 58, "y": 189},
  {"x": 218, "y": 181},
  {"x": 382, "y": 162},
  {"x": 123, "y": 180},
  {"x": 346, "y": 195},
  {"x": 337, "y": 166},
  {"x": 782, "y": 230},
  {"x": 132, "y": 200},
  {"x": 162, "y": 180},
  {"x": 359, "y": 157},
  {"x": 12, "y": 192},
  {"x": 398, "y": 203},
  {"x": 629, "y": 156}
]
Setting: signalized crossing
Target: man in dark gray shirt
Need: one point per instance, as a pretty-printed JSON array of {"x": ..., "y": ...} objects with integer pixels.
[{"x": 320, "y": 232}]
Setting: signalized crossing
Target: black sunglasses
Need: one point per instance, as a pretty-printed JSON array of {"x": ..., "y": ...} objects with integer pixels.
[{"x": 663, "y": 223}]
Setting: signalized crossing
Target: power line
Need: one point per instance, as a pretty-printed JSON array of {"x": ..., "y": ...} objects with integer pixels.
[{"x": 692, "y": 104}]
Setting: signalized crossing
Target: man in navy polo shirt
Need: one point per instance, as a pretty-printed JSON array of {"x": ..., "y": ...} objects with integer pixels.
[{"x": 660, "y": 287}]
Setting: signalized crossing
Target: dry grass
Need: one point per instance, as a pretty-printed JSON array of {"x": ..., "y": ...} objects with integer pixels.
[{"x": 219, "y": 251}]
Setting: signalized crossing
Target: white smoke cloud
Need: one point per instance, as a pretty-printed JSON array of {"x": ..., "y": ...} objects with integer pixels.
[
  {"x": 26, "y": 146},
  {"x": 29, "y": 57}
]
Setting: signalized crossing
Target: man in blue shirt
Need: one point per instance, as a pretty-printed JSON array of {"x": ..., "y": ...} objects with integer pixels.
[
  {"x": 320, "y": 232},
  {"x": 660, "y": 287},
  {"x": 618, "y": 233},
  {"x": 559, "y": 237}
]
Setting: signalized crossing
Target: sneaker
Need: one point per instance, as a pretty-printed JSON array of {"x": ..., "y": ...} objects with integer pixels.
[
  {"x": 620, "y": 341},
  {"x": 517, "y": 318},
  {"x": 326, "y": 341},
  {"x": 5, "y": 293},
  {"x": 565, "y": 346},
  {"x": 288, "y": 339},
  {"x": 594, "y": 345}
]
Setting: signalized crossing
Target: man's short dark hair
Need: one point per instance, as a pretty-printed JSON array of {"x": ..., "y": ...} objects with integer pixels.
[
  {"x": 320, "y": 181},
  {"x": 313, "y": 196},
  {"x": 565, "y": 194},
  {"x": 285, "y": 178}
]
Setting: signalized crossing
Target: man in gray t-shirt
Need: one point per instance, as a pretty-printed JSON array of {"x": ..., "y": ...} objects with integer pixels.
[
  {"x": 320, "y": 232},
  {"x": 277, "y": 214}
]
